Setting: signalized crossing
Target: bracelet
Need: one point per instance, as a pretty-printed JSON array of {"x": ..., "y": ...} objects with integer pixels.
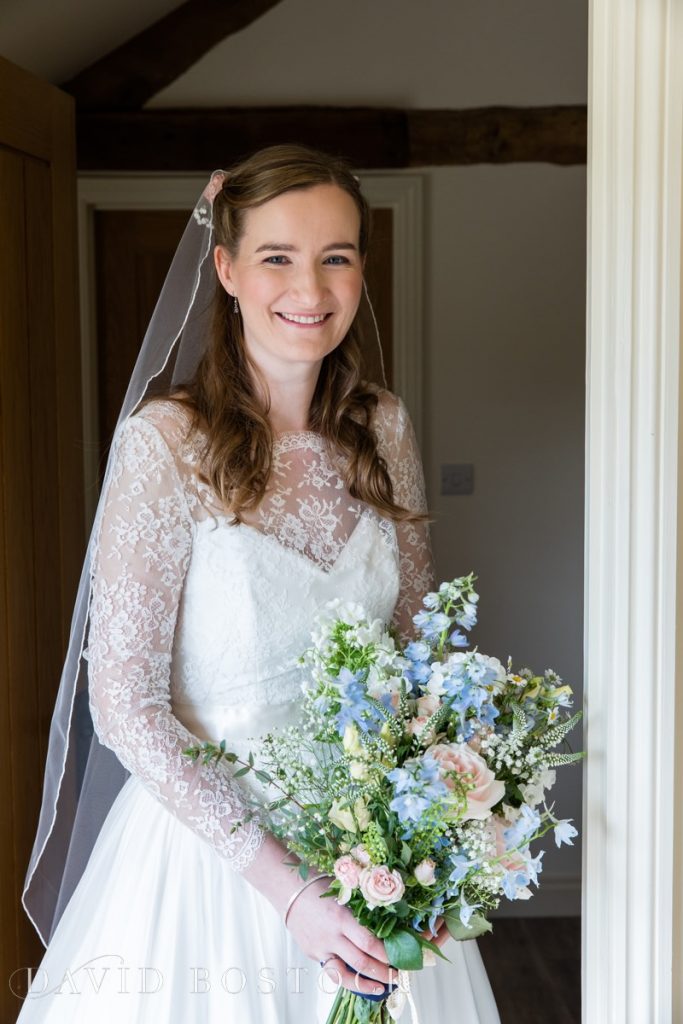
[{"x": 298, "y": 893}]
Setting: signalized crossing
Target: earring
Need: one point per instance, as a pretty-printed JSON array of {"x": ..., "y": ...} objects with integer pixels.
[{"x": 235, "y": 304}]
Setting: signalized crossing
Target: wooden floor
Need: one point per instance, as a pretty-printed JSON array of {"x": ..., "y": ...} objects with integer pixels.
[{"x": 534, "y": 965}]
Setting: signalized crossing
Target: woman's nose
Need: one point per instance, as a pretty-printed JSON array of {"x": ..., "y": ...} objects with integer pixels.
[{"x": 309, "y": 286}]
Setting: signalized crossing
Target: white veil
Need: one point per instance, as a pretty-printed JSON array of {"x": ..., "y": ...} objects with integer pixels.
[{"x": 83, "y": 777}]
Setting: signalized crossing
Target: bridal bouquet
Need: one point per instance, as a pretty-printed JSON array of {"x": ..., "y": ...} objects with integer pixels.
[{"x": 417, "y": 779}]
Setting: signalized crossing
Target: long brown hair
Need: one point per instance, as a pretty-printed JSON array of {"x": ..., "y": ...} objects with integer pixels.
[{"x": 222, "y": 394}]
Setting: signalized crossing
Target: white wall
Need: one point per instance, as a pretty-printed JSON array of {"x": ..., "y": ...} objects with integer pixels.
[{"x": 505, "y": 298}]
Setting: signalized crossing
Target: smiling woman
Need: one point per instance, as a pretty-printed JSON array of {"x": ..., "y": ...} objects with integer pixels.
[
  {"x": 298, "y": 296},
  {"x": 270, "y": 480}
]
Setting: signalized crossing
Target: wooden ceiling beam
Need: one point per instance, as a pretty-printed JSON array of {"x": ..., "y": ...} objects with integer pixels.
[
  {"x": 194, "y": 140},
  {"x": 130, "y": 75}
]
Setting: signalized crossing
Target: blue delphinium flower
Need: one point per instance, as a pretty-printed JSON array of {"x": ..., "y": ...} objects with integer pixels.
[
  {"x": 565, "y": 832},
  {"x": 467, "y": 616},
  {"x": 417, "y": 673},
  {"x": 466, "y": 910},
  {"x": 431, "y": 624},
  {"x": 488, "y": 713},
  {"x": 436, "y": 910},
  {"x": 461, "y": 866},
  {"x": 512, "y": 881},
  {"x": 534, "y": 867},
  {"x": 458, "y": 639},
  {"x": 354, "y": 704},
  {"x": 523, "y": 828},
  {"x": 418, "y": 650},
  {"x": 417, "y": 786}
]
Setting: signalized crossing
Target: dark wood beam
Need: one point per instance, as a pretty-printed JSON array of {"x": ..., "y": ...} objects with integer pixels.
[
  {"x": 193, "y": 140},
  {"x": 144, "y": 65},
  {"x": 498, "y": 135}
]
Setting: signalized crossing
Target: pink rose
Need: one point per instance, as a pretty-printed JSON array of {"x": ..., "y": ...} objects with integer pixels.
[
  {"x": 347, "y": 871},
  {"x": 428, "y": 704},
  {"x": 380, "y": 886},
  {"x": 460, "y": 758},
  {"x": 361, "y": 855},
  {"x": 415, "y": 726}
]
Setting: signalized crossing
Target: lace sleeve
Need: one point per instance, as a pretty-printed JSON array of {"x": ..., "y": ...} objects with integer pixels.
[
  {"x": 398, "y": 445},
  {"x": 145, "y": 539}
]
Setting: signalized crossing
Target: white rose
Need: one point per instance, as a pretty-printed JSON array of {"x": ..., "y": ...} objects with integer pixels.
[{"x": 424, "y": 872}]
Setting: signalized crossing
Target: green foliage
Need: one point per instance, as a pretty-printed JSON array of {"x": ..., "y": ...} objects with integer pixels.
[
  {"x": 404, "y": 951},
  {"x": 478, "y": 926}
]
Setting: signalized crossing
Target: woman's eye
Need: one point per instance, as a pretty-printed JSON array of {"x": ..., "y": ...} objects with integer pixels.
[
  {"x": 337, "y": 260},
  {"x": 276, "y": 260}
]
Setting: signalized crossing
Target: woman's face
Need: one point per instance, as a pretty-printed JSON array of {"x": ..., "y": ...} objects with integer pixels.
[{"x": 298, "y": 277}]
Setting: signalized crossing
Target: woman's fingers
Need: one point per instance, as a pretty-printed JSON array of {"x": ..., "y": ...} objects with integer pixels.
[
  {"x": 442, "y": 936},
  {"x": 362, "y": 962},
  {"x": 365, "y": 940},
  {"x": 342, "y": 975}
]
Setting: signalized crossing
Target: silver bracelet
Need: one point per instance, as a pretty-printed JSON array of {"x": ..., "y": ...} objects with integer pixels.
[{"x": 298, "y": 893}]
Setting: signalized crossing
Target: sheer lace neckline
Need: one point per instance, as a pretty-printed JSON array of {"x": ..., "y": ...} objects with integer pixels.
[{"x": 289, "y": 440}]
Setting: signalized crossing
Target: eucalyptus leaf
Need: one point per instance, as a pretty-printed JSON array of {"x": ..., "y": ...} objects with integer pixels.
[
  {"x": 478, "y": 926},
  {"x": 404, "y": 951}
]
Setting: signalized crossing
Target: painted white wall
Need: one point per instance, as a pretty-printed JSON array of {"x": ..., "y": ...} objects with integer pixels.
[
  {"x": 435, "y": 53},
  {"x": 505, "y": 390}
]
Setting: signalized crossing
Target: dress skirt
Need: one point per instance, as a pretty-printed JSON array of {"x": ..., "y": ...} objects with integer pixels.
[{"x": 160, "y": 929}]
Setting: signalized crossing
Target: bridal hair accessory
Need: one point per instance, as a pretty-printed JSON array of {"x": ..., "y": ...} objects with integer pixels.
[{"x": 298, "y": 893}]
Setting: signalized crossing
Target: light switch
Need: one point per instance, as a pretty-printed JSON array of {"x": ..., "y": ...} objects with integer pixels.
[{"x": 457, "y": 478}]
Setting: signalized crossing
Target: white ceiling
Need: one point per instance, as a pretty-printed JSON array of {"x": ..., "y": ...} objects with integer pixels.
[
  {"x": 56, "y": 38},
  {"x": 430, "y": 53}
]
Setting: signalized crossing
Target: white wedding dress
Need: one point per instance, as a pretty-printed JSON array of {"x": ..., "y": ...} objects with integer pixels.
[{"x": 196, "y": 628}]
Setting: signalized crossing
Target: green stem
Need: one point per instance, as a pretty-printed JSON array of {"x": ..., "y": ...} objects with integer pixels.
[{"x": 332, "y": 1016}]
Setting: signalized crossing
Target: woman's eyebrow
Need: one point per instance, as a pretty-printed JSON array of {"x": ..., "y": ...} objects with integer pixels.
[{"x": 284, "y": 247}]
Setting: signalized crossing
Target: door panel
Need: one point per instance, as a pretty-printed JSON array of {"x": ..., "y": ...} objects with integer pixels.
[{"x": 41, "y": 480}]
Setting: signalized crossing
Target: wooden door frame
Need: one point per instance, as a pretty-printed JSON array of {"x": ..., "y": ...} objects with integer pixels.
[{"x": 398, "y": 191}]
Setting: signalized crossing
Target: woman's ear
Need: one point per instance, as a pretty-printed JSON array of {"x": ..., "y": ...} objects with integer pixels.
[{"x": 223, "y": 264}]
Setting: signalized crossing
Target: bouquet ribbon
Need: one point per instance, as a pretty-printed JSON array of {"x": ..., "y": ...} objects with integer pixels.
[{"x": 398, "y": 998}]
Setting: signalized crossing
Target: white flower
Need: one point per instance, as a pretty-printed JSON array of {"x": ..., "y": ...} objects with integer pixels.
[
  {"x": 534, "y": 790},
  {"x": 424, "y": 872}
]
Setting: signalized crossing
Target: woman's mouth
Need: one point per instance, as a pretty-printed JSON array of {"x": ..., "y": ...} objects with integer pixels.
[{"x": 304, "y": 321}]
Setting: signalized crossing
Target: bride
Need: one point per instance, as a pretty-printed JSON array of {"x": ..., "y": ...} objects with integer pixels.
[{"x": 267, "y": 480}]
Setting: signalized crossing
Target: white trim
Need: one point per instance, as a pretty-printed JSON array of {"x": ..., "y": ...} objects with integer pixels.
[
  {"x": 634, "y": 250},
  {"x": 402, "y": 193}
]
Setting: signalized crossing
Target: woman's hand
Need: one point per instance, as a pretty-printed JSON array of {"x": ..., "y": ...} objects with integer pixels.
[
  {"x": 442, "y": 933},
  {"x": 323, "y": 928}
]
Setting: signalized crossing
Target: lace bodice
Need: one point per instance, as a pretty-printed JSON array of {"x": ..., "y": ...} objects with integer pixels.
[{"x": 196, "y": 624}]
